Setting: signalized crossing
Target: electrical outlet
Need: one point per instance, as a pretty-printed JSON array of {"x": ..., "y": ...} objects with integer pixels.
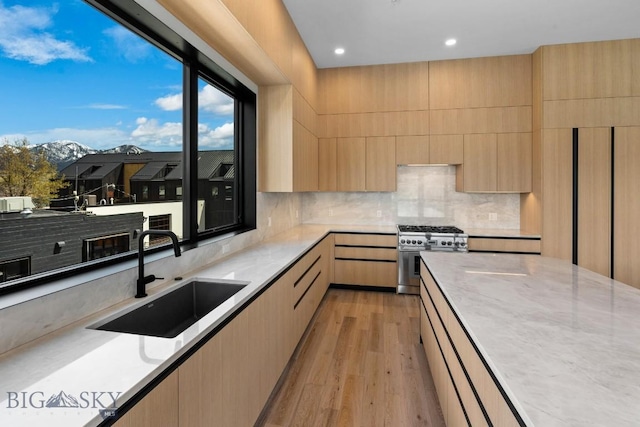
[
  {"x": 269, "y": 221},
  {"x": 225, "y": 249},
  {"x": 493, "y": 216},
  {"x": 330, "y": 212},
  {"x": 379, "y": 213}
]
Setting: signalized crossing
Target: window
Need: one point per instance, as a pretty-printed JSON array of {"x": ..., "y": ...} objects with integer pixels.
[
  {"x": 101, "y": 247},
  {"x": 15, "y": 269},
  {"x": 159, "y": 222},
  {"x": 153, "y": 122}
]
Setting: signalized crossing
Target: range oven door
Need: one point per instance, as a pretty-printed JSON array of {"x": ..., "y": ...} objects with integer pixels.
[{"x": 409, "y": 272}]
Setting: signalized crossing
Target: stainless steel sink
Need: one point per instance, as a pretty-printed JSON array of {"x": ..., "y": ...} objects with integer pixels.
[{"x": 170, "y": 314}]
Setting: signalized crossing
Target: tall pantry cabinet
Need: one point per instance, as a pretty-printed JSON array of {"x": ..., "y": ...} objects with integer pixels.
[{"x": 587, "y": 140}]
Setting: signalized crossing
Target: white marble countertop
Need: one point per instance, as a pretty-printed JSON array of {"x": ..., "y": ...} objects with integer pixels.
[
  {"x": 564, "y": 341},
  {"x": 500, "y": 232},
  {"x": 86, "y": 363}
]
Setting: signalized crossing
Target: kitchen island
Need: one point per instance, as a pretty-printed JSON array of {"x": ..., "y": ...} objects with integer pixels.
[{"x": 561, "y": 343}]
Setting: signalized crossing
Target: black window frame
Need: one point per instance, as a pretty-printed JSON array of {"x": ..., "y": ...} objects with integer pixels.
[{"x": 195, "y": 64}]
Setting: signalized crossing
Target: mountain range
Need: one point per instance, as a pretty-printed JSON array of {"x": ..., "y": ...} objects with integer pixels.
[{"x": 62, "y": 153}]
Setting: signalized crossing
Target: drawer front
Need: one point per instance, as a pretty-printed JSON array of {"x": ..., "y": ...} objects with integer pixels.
[
  {"x": 368, "y": 273},
  {"x": 366, "y": 253},
  {"x": 380, "y": 240},
  {"x": 527, "y": 246},
  {"x": 308, "y": 276}
]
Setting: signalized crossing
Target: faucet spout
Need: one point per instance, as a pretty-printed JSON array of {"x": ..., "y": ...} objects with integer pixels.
[{"x": 142, "y": 279}]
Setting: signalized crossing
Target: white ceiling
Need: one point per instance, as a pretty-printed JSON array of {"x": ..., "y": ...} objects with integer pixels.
[{"x": 393, "y": 31}]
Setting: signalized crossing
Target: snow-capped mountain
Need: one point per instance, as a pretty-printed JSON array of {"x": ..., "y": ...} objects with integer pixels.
[
  {"x": 64, "y": 152},
  {"x": 124, "y": 149}
]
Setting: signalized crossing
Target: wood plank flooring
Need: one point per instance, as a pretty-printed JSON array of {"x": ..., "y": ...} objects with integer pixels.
[{"x": 360, "y": 364}]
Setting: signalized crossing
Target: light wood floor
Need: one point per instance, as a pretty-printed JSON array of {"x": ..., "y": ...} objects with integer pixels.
[{"x": 361, "y": 364}]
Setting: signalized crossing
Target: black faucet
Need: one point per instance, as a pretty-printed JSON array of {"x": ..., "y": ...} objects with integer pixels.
[{"x": 142, "y": 279}]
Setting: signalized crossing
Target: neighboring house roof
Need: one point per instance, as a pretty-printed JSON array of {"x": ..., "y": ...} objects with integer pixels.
[
  {"x": 215, "y": 164},
  {"x": 149, "y": 172},
  {"x": 210, "y": 162},
  {"x": 102, "y": 171}
]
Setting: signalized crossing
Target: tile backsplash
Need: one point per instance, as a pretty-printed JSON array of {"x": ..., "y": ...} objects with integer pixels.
[{"x": 425, "y": 195}]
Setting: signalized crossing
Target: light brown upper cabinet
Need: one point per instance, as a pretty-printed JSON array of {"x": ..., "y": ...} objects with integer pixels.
[
  {"x": 479, "y": 170},
  {"x": 380, "y": 163},
  {"x": 514, "y": 162},
  {"x": 500, "y": 81},
  {"x": 587, "y": 70},
  {"x": 357, "y": 164},
  {"x": 496, "y": 163},
  {"x": 287, "y": 145},
  {"x": 412, "y": 150},
  {"x": 350, "y": 164},
  {"x": 446, "y": 149},
  {"x": 327, "y": 164},
  {"x": 425, "y": 150}
]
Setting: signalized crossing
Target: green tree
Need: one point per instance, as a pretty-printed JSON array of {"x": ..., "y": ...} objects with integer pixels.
[{"x": 24, "y": 173}]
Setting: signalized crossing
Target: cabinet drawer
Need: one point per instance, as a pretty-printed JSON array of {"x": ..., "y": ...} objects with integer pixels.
[
  {"x": 307, "y": 277},
  {"x": 379, "y": 240},
  {"x": 366, "y": 253},
  {"x": 368, "y": 273},
  {"x": 487, "y": 244}
]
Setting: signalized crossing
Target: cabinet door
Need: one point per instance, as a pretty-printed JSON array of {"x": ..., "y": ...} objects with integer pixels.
[
  {"x": 557, "y": 187},
  {"x": 478, "y": 172},
  {"x": 327, "y": 164},
  {"x": 514, "y": 162},
  {"x": 305, "y": 159},
  {"x": 381, "y": 163},
  {"x": 158, "y": 408},
  {"x": 594, "y": 199},
  {"x": 627, "y": 206},
  {"x": 214, "y": 383},
  {"x": 351, "y": 164},
  {"x": 446, "y": 149},
  {"x": 412, "y": 150}
]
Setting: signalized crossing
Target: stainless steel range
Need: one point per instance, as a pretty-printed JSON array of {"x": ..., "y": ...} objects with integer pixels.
[{"x": 415, "y": 238}]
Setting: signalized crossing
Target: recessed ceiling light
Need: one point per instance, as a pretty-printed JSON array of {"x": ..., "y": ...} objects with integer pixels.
[
  {"x": 451, "y": 42},
  {"x": 339, "y": 51}
]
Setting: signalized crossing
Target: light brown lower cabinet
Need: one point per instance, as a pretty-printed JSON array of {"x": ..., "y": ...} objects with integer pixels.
[
  {"x": 505, "y": 245},
  {"x": 468, "y": 393},
  {"x": 158, "y": 408},
  {"x": 366, "y": 260},
  {"x": 228, "y": 380}
]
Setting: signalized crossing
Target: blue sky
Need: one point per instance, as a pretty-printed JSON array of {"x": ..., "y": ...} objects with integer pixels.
[{"x": 67, "y": 72}]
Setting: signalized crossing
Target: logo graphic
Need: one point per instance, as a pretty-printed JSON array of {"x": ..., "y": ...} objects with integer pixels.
[
  {"x": 104, "y": 401},
  {"x": 62, "y": 400}
]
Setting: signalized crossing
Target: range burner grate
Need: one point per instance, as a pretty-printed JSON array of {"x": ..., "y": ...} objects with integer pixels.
[{"x": 429, "y": 229}]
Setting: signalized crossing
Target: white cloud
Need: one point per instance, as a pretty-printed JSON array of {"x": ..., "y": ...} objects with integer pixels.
[
  {"x": 170, "y": 102},
  {"x": 23, "y": 37},
  {"x": 150, "y": 132},
  {"x": 220, "y": 137},
  {"x": 132, "y": 47},
  {"x": 106, "y": 107},
  {"x": 210, "y": 100}
]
